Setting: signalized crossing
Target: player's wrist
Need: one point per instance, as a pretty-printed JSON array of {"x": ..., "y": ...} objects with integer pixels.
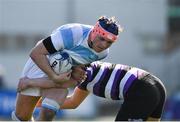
[
  {"x": 53, "y": 77},
  {"x": 57, "y": 79}
]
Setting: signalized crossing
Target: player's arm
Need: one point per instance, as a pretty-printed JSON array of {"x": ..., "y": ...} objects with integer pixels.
[
  {"x": 38, "y": 55},
  {"x": 75, "y": 99},
  {"x": 76, "y": 76},
  {"x": 25, "y": 83},
  {"x": 44, "y": 83}
]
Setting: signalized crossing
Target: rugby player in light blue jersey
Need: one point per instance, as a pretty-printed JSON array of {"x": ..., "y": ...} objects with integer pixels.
[{"x": 84, "y": 44}]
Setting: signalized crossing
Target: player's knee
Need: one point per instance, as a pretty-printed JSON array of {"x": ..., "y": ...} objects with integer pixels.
[
  {"x": 47, "y": 114},
  {"x": 50, "y": 104}
]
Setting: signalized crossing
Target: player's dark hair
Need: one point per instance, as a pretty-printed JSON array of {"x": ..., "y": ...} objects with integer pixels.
[{"x": 109, "y": 24}]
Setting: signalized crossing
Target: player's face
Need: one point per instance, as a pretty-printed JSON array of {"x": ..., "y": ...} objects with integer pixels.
[{"x": 100, "y": 43}]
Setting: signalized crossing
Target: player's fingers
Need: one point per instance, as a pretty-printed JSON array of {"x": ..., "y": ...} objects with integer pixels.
[
  {"x": 67, "y": 73},
  {"x": 85, "y": 76},
  {"x": 68, "y": 76},
  {"x": 82, "y": 77}
]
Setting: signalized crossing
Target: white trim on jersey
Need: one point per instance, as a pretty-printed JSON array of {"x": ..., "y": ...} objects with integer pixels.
[
  {"x": 110, "y": 82},
  {"x": 90, "y": 69},
  {"x": 132, "y": 71}
]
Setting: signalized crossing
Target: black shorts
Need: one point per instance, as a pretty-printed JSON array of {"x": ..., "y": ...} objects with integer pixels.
[{"x": 145, "y": 98}]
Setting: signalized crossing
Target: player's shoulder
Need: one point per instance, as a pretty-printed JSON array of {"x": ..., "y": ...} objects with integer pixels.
[{"x": 75, "y": 25}]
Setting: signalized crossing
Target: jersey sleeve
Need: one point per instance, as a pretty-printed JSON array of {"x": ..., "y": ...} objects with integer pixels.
[
  {"x": 89, "y": 71},
  {"x": 57, "y": 40},
  {"x": 49, "y": 45},
  {"x": 54, "y": 42},
  {"x": 64, "y": 37}
]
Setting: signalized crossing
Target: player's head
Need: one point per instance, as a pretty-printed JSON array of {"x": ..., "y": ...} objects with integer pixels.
[{"x": 105, "y": 29}]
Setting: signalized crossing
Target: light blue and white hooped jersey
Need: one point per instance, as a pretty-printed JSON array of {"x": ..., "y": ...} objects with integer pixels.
[{"x": 72, "y": 38}]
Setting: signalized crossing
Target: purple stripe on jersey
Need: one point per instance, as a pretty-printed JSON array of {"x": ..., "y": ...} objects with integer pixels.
[
  {"x": 128, "y": 83},
  {"x": 96, "y": 88},
  {"x": 114, "y": 93},
  {"x": 94, "y": 67},
  {"x": 89, "y": 76}
]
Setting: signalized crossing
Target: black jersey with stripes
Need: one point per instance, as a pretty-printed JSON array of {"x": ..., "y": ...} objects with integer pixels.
[{"x": 110, "y": 80}]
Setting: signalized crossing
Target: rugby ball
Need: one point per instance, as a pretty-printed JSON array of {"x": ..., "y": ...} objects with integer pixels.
[{"x": 60, "y": 62}]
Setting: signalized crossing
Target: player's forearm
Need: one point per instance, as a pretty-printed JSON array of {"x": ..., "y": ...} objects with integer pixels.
[
  {"x": 47, "y": 83},
  {"x": 68, "y": 104},
  {"x": 42, "y": 62},
  {"x": 38, "y": 55},
  {"x": 41, "y": 83},
  {"x": 75, "y": 99}
]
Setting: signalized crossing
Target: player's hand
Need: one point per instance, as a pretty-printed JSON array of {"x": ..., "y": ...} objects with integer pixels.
[
  {"x": 22, "y": 84},
  {"x": 63, "y": 77},
  {"x": 79, "y": 73}
]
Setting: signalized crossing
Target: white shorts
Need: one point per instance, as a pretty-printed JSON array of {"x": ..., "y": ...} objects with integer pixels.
[{"x": 31, "y": 70}]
